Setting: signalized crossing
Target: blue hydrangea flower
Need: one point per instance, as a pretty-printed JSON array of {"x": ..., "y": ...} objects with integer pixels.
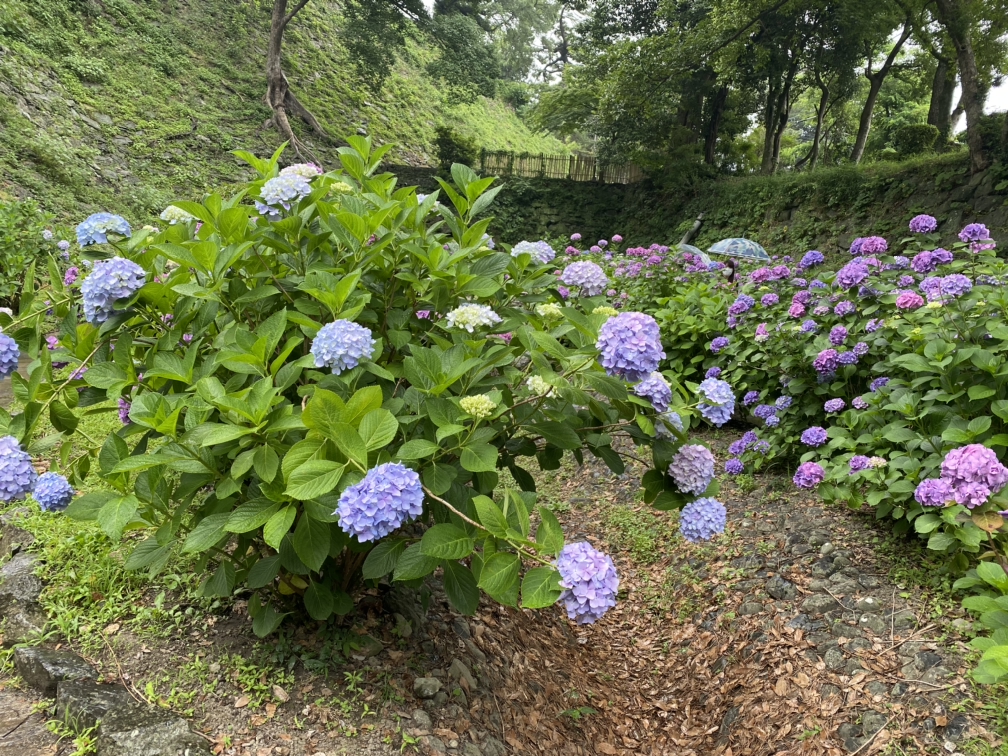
[
  {"x": 9, "y": 355},
  {"x": 389, "y": 495},
  {"x": 834, "y": 405},
  {"x": 763, "y": 411},
  {"x": 656, "y": 389},
  {"x": 540, "y": 251},
  {"x": 878, "y": 383},
  {"x": 751, "y": 397},
  {"x": 587, "y": 275},
  {"x": 631, "y": 347},
  {"x": 281, "y": 191},
  {"x": 718, "y": 344},
  {"x": 719, "y": 401},
  {"x": 783, "y": 402},
  {"x": 773, "y": 421},
  {"x": 341, "y": 345},
  {"x": 17, "y": 476},
  {"x": 692, "y": 468},
  {"x": 714, "y": 372},
  {"x": 589, "y": 580},
  {"x": 811, "y": 258},
  {"x": 95, "y": 228},
  {"x": 734, "y": 466},
  {"x": 109, "y": 281},
  {"x": 814, "y": 436},
  {"x": 53, "y": 492},
  {"x": 666, "y": 422},
  {"x": 702, "y": 519}
]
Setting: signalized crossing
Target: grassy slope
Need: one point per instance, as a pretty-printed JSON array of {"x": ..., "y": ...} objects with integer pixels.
[{"x": 125, "y": 104}]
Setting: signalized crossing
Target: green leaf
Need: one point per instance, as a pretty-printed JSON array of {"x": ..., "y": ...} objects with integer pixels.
[
  {"x": 311, "y": 542},
  {"x": 342, "y": 603},
  {"x": 264, "y": 572},
  {"x": 251, "y": 515},
  {"x": 491, "y": 516},
  {"x": 980, "y": 392},
  {"x": 549, "y": 534},
  {"x": 85, "y": 508},
  {"x": 446, "y": 541},
  {"x": 940, "y": 541},
  {"x": 418, "y": 448},
  {"x": 266, "y": 620},
  {"x": 279, "y": 525},
  {"x": 382, "y": 559},
  {"x": 148, "y": 553},
  {"x": 479, "y": 457},
  {"x": 209, "y": 530},
  {"x": 350, "y": 443},
  {"x": 993, "y": 575},
  {"x": 318, "y": 600},
  {"x": 414, "y": 564},
  {"x": 540, "y": 588},
  {"x": 116, "y": 514},
  {"x": 499, "y": 577},
  {"x": 313, "y": 479},
  {"x": 460, "y": 585},
  {"x": 439, "y": 477},
  {"x": 221, "y": 583},
  {"x": 378, "y": 428}
]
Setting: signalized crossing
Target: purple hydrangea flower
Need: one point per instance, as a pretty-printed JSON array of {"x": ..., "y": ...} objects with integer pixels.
[
  {"x": 617, "y": 238},
  {"x": 878, "y": 383},
  {"x": 17, "y": 476},
  {"x": 389, "y": 495},
  {"x": 761, "y": 446},
  {"x": 751, "y": 397},
  {"x": 743, "y": 303},
  {"x": 124, "y": 410},
  {"x": 923, "y": 262},
  {"x": 763, "y": 411},
  {"x": 974, "y": 473},
  {"x": 814, "y": 436},
  {"x": 341, "y": 345},
  {"x": 847, "y": 358},
  {"x": 809, "y": 475},
  {"x": 858, "y": 463},
  {"x": 851, "y": 274},
  {"x": 769, "y": 300},
  {"x": 702, "y": 519},
  {"x": 692, "y": 468},
  {"x": 95, "y": 228},
  {"x": 630, "y": 346},
  {"x": 855, "y": 247},
  {"x": 52, "y": 492},
  {"x": 859, "y": 403},
  {"x": 666, "y": 422},
  {"x": 923, "y": 224},
  {"x": 63, "y": 245},
  {"x": 796, "y": 310},
  {"x": 834, "y": 405},
  {"x": 872, "y": 245},
  {"x": 873, "y": 325},
  {"x": 773, "y": 421},
  {"x": 589, "y": 580},
  {"x": 718, "y": 344},
  {"x": 844, "y": 308},
  {"x": 974, "y": 232},
  {"x": 838, "y": 335},
  {"x": 719, "y": 401},
  {"x": 909, "y": 300},
  {"x": 860, "y": 349},
  {"x": 811, "y": 258},
  {"x": 942, "y": 256},
  {"x": 9, "y": 355},
  {"x": 586, "y": 275},
  {"x": 70, "y": 277},
  {"x": 734, "y": 466},
  {"x": 825, "y": 362},
  {"x": 783, "y": 402},
  {"x": 714, "y": 372},
  {"x": 808, "y": 326},
  {"x": 109, "y": 281},
  {"x": 934, "y": 492},
  {"x": 655, "y": 389},
  {"x": 575, "y": 237},
  {"x": 931, "y": 286},
  {"x": 955, "y": 285}
]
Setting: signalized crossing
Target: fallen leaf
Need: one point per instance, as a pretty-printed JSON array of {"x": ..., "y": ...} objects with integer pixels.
[
  {"x": 781, "y": 687},
  {"x": 280, "y": 694},
  {"x": 606, "y": 748},
  {"x": 241, "y": 702},
  {"x": 270, "y": 710},
  {"x": 112, "y": 629},
  {"x": 941, "y": 720}
]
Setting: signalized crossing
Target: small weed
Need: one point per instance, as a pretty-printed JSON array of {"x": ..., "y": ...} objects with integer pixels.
[{"x": 84, "y": 740}]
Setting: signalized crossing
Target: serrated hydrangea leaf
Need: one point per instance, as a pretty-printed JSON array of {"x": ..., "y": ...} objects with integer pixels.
[
  {"x": 479, "y": 457},
  {"x": 207, "y": 532},
  {"x": 499, "y": 577},
  {"x": 314, "y": 478},
  {"x": 460, "y": 586},
  {"x": 116, "y": 514},
  {"x": 279, "y": 525},
  {"x": 377, "y": 429},
  {"x": 311, "y": 542},
  {"x": 549, "y": 534},
  {"x": 264, "y": 572},
  {"x": 446, "y": 541},
  {"x": 382, "y": 559},
  {"x": 251, "y": 515},
  {"x": 318, "y": 600},
  {"x": 413, "y": 564},
  {"x": 540, "y": 588},
  {"x": 491, "y": 516}
]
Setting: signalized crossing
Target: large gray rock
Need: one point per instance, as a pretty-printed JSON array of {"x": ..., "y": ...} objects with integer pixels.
[
  {"x": 459, "y": 670},
  {"x": 44, "y": 668},
  {"x": 19, "y": 592},
  {"x": 83, "y": 703},
  {"x": 135, "y": 731},
  {"x": 426, "y": 687},
  {"x": 12, "y": 538},
  {"x": 781, "y": 589}
]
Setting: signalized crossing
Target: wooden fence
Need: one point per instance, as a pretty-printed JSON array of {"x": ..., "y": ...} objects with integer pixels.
[{"x": 572, "y": 167}]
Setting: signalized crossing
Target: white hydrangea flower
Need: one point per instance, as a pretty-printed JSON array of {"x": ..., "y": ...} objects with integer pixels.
[
  {"x": 174, "y": 215},
  {"x": 479, "y": 406},
  {"x": 304, "y": 170},
  {"x": 538, "y": 386},
  {"x": 471, "y": 317},
  {"x": 549, "y": 311}
]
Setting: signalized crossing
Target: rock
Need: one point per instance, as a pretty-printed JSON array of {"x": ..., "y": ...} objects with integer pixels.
[
  {"x": 726, "y": 723},
  {"x": 852, "y": 667},
  {"x": 426, "y": 687},
  {"x": 854, "y": 744},
  {"x": 18, "y": 583},
  {"x": 803, "y": 622},
  {"x": 874, "y": 623},
  {"x": 818, "y": 539},
  {"x": 429, "y": 743},
  {"x": 471, "y": 749},
  {"x": 936, "y": 674},
  {"x": 818, "y": 604},
  {"x": 13, "y": 538},
  {"x": 904, "y": 618},
  {"x": 954, "y": 730},
  {"x": 23, "y": 624},
  {"x": 461, "y": 627},
  {"x": 422, "y": 719},
  {"x": 872, "y": 722},
  {"x": 800, "y": 548},
  {"x": 899, "y": 689},
  {"x": 876, "y": 688},
  {"x": 823, "y": 568},
  {"x": 828, "y": 690},
  {"x": 44, "y": 668},
  {"x": 460, "y": 671},
  {"x": 141, "y": 731},
  {"x": 781, "y": 589},
  {"x": 439, "y": 700},
  {"x": 818, "y": 586},
  {"x": 493, "y": 747},
  {"x": 963, "y": 625},
  {"x": 841, "y": 561},
  {"x": 834, "y": 658},
  {"x": 405, "y": 601},
  {"x": 927, "y": 659},
  {"x": 367, "y": 646},
  {"x": 475, "y": 651},
  {"x": 749, "y": 562},
  {"x": 849, "y": 730},
  {"x": 826, "y": 549},
  {"x": 843, "y": 630},
  {"x": 83, "y": 703},
  {"x": 868, "y": 604},
  {"x": 858, "y": 644},
  {"x": 750, "y": 607}
]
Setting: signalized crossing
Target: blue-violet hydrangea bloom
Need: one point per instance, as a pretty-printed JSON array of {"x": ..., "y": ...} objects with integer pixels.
[
  {"x": 630, "y": 346},
  {"x": 341, "y": 345},
  {"x": 389, "y": 495},
  {"x": 9, "y": 355},
  {"x": 52, "y": 492},
  {"x": 656, "y": 389},
  {"x": 692, "y": 468},
  {"x": 17, "y": 475},
  {"x": 109, "y": 281},
  {"x": 702, "y": 519},
  {"x": 587, "y": 275},
  {"x": 589, "y": 580},
  {"x": 95, "y": 228}
]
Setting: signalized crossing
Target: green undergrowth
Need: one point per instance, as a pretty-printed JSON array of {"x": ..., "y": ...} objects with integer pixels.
[{"x": 125, "y": 105}]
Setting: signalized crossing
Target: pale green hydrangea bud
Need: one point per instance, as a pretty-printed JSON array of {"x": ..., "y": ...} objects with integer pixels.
[
  {"x": 479, "y": 406},
  {"x": 549, "y": 311},
  {"x": 609, "y": 312},
  {"x": 537, "y": 385}
]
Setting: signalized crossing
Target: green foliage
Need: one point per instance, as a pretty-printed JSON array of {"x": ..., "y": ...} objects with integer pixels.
[
  {"x": 989, "y": 585},
  {"x": 453, "y": 148},
  {"x": 913, "y": 139},
  {"x": 21, "y": 244}
]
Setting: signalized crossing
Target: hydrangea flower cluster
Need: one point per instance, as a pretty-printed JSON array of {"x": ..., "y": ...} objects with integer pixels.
[
  {"x": 826, "y": 362},
  {"x": 52, "y": 492},
  {"x": 342, "y": 345},
  {"x": 389, "y": 495},
  {"x": 173, "y": 215},
  {"x": 742, "y": 304},
  {"x": 666, "y": 422},
  {"x": 109, "y": 281},
  {"x": 761, "y": 334},
  {"x": 70, "y": 277},
  {"x": 750, "y": 398},
  {"x": 702, "y": 519},
  {"x": 852, "y": 274},
  {"x": 281, "y": 192},
  {"x": 769, "y": 300},
  {"x": 814, "y": 436},
  {"x": 878, "y": 383},
  {"x": 808, "y": 326},
  {"x": 17, "y": 475},
  {"x": 909, "y": 300},
  {"x": 869, "y": 245},
  {"x": 95, "y": 228},
  {"x": 9, "y": 355},
  {"x": 124, "y": 410},
  {"x": 810, "y": 259},
  {"x": 630, "y": 346},
  {"x": 589, "y": 580},
  {"x": 472, "y": 316},
  {"x": 587, "y": 275},
  {"x": 734, "y": 466},
  {"x": 540, "y": 251},
  {"x": 838, "y": 335},
  {"x": 692, "y": 468},
  {"x": 970, "y": 475},
  {"x": 549, "y": 311},
  {"x": 923, "y": 224},
  {"x": 809, "y": 475},
  {"x": 858, "y": 402},
  {"x": 714, "y": 372},
  {"x": 955, "y": 285},
  {"x": 858, "y": 463},
  {"x": 718, "y": 343},
  {"x": 719, "y": 401},
  {"x": 844, "y": 308},
  {"x": 655, "y": 389},
  {"x": 974, "y": 232},
  {"x": 307, "y": 171},
  {"x": 480, "y": 406},
  {"x": 834, "y": 405}
]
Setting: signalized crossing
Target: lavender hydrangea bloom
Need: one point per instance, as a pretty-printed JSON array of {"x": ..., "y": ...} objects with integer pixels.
[
  {"x": 872, "y": 245},
  {"x": 811, "y": 258},
  {"x": 878, "y": 383},
  {"x": 934, "y": 492},
  {"x": 851, "y": 274},
  {"x": 942, "y": 256},
  {"x": 855, "y": 247},
  {"x": 783, "y": 402},
  {"x": 630, "y": 346},
  {"x": 923, "y": 224},
  {"x": 761, "y": 446},
  {"x": 666, "y": 422},
  {"x": 718, "y": 344},
  {"x": 838, "y": 335},
  {"x": 587, "y": 275},
  {"x": 974, "y": 232},
  {"x": 743, "y": 303},
  {"x": 873, "y": 325},
  {"x": 858, "y": 463},
  {"x": 63, "y": 245},
  {"x": 769, "y": 300},
  {"x": 281, "y": 192},
  {"x": 702, "y": 519},
  {"x": 974, "y": 473},
  {"x": 834, "y": 405},
  {"x": 70, "y": 277},
  {"x": 655, "y": 389},
  {"x": 923, "y": 262},
  {"x": 389, "y": 495},
  {"x": 814, "y": 436},
  {"x": 9, "y": 355},
  {"x": 860, "y": 349},
  {"x": 955, "y": 285},
  {"x": 751, "y": 397},
  {"x": 124, "y": 410},
  {"x": 847, "y": 358},
  {"x": 52, "y": 492},
  {"x": 825, "y": 362},
  {"x": 714, "y": 372},
  {"x": 773, "y": 421},
  {"x": 809, "y": 475},
  {"x": 341, "y": 345},
  {"x": 95, "y": 228},
  {"x": 589, "y": 580},
  {"x": 720, "y": 401},
  {"x": 763, "y": 411},
  {"x": 692, "y": 468},
  {"x": 17, "y": 476},
  {"x": 808, "y": 326},
  {"x": 844, "y": 308},
  {"x": 734, "y": 467},
  {"x": 859, "y": 403},
  {"x": 109, "y": 281}
]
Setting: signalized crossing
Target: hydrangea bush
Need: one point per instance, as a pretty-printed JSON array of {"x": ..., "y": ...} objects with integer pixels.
[{"x": 327, "y": 378}]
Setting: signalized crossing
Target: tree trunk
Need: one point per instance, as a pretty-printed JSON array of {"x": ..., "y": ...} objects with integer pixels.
[
  {"x": 820, "y": 117},
  {"x": 783, "y": 112},
  {"x": 953, "y": 18},
  {"x": 279, "y": 97},
  {"x": 942, "y": 89},
  {"x": 714, "y": 124},
  {"x": 875, "y": 84},
  {"x": 769, "y": 119}
]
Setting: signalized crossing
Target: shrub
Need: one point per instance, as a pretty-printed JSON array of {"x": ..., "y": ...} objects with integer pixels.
[
  {"x": 914, "y": 138},
  {"x": 327, "y": 389},
  {"x": 22, "y": 224},
  {"x": 453, "y": 147}
]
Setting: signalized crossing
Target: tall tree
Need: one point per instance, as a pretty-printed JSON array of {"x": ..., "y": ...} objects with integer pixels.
[{"x": 875, "y": 80}]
